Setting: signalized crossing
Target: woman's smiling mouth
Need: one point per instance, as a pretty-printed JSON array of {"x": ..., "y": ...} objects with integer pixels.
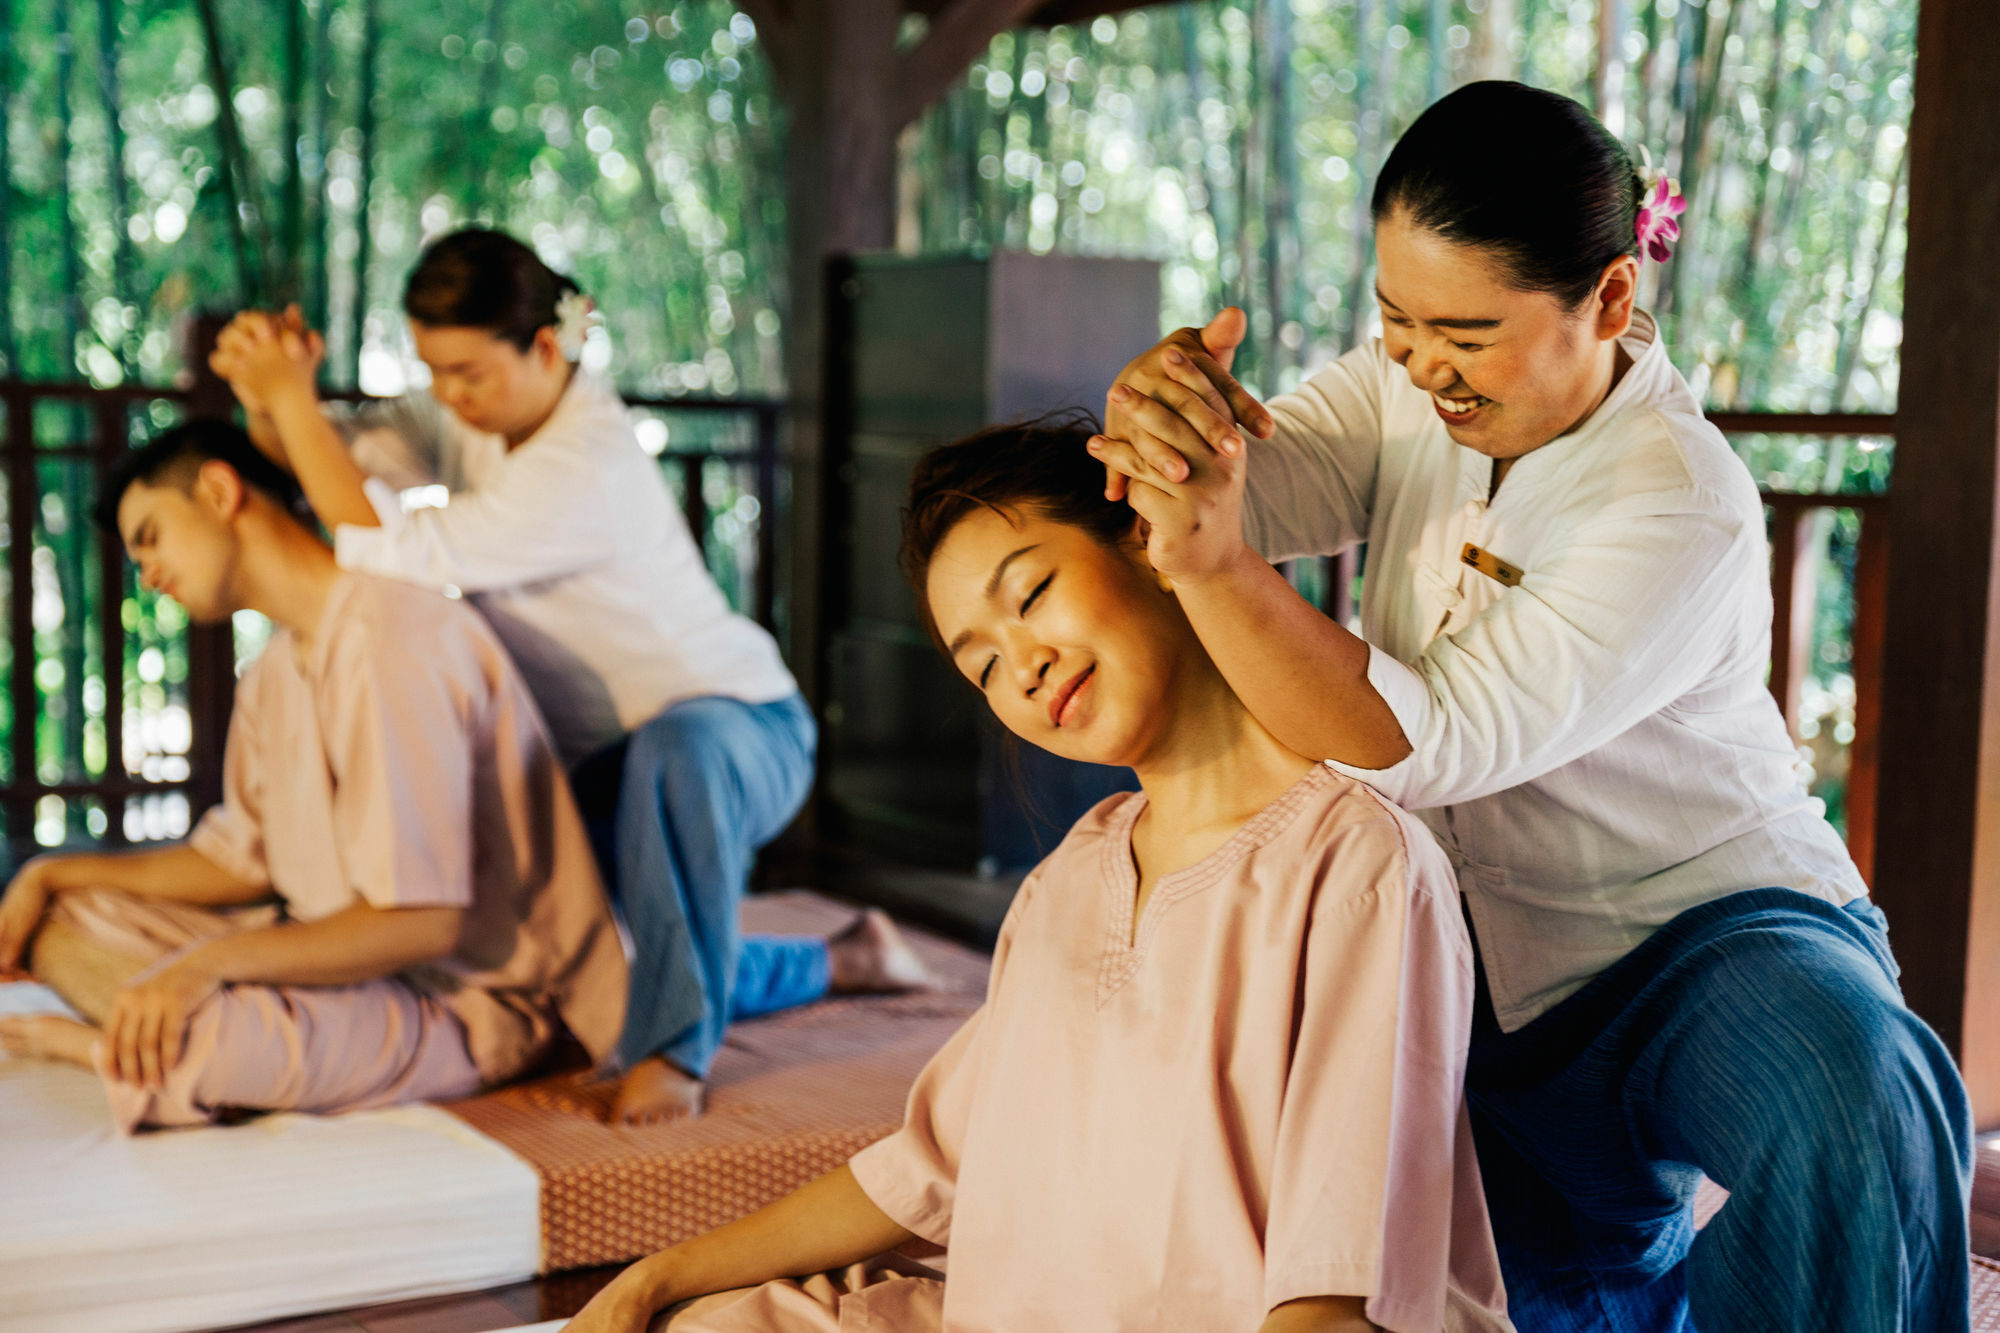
[
  {"x": 1064, "y": 702},
  {"x": 1458, "y": 409}
]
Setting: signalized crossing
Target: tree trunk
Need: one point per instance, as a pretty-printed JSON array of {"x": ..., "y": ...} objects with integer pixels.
[
  {"x": 483, "y": 200},
  {"x": 1282, "y": 295},
  {"x": 70, "y": 262},
  {"x": 371, "y": 42},
  {"x": 108, "y": 42},
  {"x": 1370, "y": 121},
  {"x": 10, "y": 355},
  {"x": 1225, "y": 208},
  {"x": 292, "y": 196},
  {"x": 318, "y": 275},
  {"x": 1437, "y": 79},
  {"x": 1493, "y": 51},
  {"x": 245, "y": 225},
  {"x": 1607, "y": 83},
  {"x": 1856, "y": 328}
]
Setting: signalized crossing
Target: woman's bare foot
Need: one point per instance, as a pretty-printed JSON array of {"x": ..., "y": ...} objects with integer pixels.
[
  {"x": 872, "y": 955},
  {"x": 653, "y": 1092},
  {"x": 48, "y": 1037}
]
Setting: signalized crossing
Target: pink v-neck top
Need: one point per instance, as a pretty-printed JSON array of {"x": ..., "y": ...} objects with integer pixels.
[{"x": 1253, "y": 1098}]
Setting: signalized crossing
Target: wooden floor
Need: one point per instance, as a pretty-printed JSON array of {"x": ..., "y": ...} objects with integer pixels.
[{"x": 556, "y": 1297}]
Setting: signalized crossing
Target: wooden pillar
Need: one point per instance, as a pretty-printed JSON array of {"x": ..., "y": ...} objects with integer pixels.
[
  {"x": 1937, "y": 858},
  {"x": 835, "y": 66}
]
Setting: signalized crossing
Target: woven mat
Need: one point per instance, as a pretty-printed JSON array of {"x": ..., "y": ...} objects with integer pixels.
[{"x": 792, "y": 1096}]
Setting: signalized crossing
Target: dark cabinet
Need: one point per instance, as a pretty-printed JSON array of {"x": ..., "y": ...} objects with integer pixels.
[{"x": 923, "y": 350}]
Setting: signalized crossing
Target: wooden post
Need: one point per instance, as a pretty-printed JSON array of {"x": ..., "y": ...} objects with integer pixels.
[
  {"x": 211, "y": 648},
  {"x": 1937, "y": 859},
  {"x": 1794, "y": 588},
  {"x": 1864, "y": 756}
]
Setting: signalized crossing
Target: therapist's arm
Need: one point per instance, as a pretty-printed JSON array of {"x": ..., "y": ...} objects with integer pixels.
[
  {"x": 1301, "y": 674},
  {"x": 1319, "y": 1314},
  {"x": 274, "y": 366}
]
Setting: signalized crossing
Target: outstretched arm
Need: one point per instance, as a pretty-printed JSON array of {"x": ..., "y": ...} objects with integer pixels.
[
  {"x": 828, "y": 1223},
  {"x": 176, "y": 873},
  {"x": 271, "y": 364}
]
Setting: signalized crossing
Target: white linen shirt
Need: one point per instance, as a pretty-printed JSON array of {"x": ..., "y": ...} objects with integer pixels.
[
  {"x": 573, "y": 548},
  {"x": 1596, "y": 748}
]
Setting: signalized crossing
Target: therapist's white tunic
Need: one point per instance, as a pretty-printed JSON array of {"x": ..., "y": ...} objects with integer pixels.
[
  {"x": 573, "y": 548},
  {"x": 1595, "y": 748}
]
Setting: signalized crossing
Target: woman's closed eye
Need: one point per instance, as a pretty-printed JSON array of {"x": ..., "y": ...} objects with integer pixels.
[
  {"x": 1036, "y": 594},
  {"x": 986, "y": 672}
]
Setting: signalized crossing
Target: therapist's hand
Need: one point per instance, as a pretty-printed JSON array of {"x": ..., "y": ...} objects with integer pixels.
[
  {"x": 1194, "y": 521},
  {"x": 265, "y": 356},
  {"x": 1187, "y": 372}
]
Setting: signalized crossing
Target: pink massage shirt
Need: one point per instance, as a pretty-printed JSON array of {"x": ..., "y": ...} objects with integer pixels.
[
  {"x": 1259, "y": 1100},
  {"x": 400, "y": 762}
]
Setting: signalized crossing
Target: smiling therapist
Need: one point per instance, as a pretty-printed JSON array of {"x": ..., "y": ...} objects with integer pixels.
[{"x": 1565, "y": 629}]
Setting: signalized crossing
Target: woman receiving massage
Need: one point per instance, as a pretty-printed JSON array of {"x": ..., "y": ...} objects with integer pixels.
[
  {"x": 1217, "y": 1081},
  {"x": 687, "y": 739},
  {"x": 1564, "y": 633}
]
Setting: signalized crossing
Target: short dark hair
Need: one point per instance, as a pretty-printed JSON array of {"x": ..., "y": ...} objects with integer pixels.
[
  {"x": 1524, "y": 174},
  {"x": 175, "y": 456},
  {"x": 483, "y": 279},
  {"x": 1039, "y": 464}
]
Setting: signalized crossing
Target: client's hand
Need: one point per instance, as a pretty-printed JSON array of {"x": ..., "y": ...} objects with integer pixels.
[
  {"x": 147, "y": 1028},
  {"x": 626, "y": 1305},
  {"x": 1188, "y": 373},
  {"x": 21, "y": 910}
]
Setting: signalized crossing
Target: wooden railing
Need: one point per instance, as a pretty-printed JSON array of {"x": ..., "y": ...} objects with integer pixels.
[
  {"x": 100, "y": 426},
  {"x": 1795, "y": 595}
]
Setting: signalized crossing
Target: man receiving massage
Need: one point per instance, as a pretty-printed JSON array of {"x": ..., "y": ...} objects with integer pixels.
[{"x": 396, "y": 899}]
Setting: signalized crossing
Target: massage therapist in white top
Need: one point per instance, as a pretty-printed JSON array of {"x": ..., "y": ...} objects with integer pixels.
[
  {"x": 688, "y": 741},
  {"x": 1565, "y": 627}
]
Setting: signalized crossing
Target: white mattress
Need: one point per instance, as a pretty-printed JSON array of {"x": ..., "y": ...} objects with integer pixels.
[{"x": 201, "y": 1228}]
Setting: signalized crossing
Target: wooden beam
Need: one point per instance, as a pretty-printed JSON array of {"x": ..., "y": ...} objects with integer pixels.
[
  {"x": 958, "y": 36},
  {"x": 1937, "y": 859}
]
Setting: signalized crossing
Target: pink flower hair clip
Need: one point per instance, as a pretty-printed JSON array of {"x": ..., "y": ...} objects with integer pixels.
[{"x": 1661, "y": 204}]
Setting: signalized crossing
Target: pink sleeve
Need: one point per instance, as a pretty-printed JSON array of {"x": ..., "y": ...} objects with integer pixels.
[
  {"x": 912, "y": 1175},
  {"x": 1363, "y": 1183},
  {"x": 400, "y": 727},
  {"x": 232, "y": 834}
]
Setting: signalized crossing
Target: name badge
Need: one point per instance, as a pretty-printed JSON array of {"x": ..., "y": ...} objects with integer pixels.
[{"x": 1492, "y": 566}]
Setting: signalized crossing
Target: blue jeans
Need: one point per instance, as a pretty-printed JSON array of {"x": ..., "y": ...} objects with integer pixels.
[
  {"x": 677, "y": 811},
  {"x": 1760, "y": 1039}
]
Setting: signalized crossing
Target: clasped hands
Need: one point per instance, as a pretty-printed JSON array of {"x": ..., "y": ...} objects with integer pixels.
[
  {"x": 1173, "y": 449},
  {"x": 264, "y": 356}
]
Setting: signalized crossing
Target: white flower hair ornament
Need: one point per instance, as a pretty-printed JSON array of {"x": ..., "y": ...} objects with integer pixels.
[{"x": 576, "y": 316}]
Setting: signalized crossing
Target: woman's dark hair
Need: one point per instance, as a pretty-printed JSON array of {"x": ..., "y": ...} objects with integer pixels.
[
  {"x": 479, "y": 279},
  {"x": 175, "y": 457},
  {"x": 1527, "y": 176},
  {"x": 1039, "y": 464}
]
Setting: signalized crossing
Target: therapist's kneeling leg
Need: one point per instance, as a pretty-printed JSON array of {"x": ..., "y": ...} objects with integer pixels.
[{"x": 1795, "y": 1076}]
